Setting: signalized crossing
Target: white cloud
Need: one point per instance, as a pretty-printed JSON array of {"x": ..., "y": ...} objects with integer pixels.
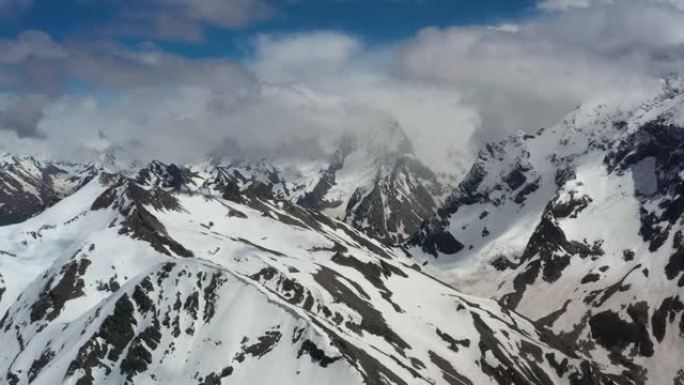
[
  {"x": 186, "y": 19},
  {"x": 304, "y": 86},
  {"x": 28, "y": 44},
  {"x": 331, "y": 68},
  {"x": 527, "y": 77},
  {"x": 285, "y": 58},
  {"x": 450, "y": 88}
]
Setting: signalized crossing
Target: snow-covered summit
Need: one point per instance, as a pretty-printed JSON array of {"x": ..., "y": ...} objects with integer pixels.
[{"x": 589, "y": 210}]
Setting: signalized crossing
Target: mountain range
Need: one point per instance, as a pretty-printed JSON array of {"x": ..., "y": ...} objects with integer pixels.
[{"x": 557, "y": 259}]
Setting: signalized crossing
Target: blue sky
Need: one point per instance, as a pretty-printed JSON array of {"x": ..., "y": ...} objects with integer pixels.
[{"x": 374, "y": 21}]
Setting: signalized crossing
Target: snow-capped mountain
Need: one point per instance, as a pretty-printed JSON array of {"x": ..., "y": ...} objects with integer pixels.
[
  {"x": 29, "y": 185},
  {"x": 579, "y": 228},
  {"x": 566, "y": 241},
  {"x": 375, "y": 184},
  {"x": 121, "y": 283}
]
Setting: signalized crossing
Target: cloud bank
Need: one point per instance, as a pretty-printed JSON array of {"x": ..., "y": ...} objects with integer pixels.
[{"x": 450, "y": 89}]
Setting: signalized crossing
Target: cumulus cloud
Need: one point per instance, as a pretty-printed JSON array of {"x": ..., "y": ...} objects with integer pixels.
[
  {"x": 455, "y": 88},
  {"x": 450, "y": 89},
  {"x": 294, "y": 57},
  {"x": 186, "y": 19},
  {"x": 68, "y": 94},
  {"x": 335, "y": 70},
  {"x": 528, "y": 76},
  {"x": 294, "y": 88},
  {"x": 22, "y": 115}
]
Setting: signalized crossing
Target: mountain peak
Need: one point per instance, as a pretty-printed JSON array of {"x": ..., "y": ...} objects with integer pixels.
[
  {"x": 272, "y": 286},
  {"x": 590, "y": 210}
]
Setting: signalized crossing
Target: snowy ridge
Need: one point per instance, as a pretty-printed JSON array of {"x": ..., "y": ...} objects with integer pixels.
[
  {"x": 121, "y": 283},
  {"x": 589, "y": 210},
  {"x": 375, "y": 184}
]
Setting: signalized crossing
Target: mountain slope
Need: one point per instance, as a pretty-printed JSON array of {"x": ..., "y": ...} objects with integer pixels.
[
  {"x": 120, "y": 283},
  {"x": 591, "y": 211},
  {"x": 28, "y": 186}
]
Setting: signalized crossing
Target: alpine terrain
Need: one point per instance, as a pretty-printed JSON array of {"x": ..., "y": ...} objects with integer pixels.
[
  {"x": 557, "y": 259},
  {"x": 580, "y": 229},
  {"x": 126, "y": 283}
]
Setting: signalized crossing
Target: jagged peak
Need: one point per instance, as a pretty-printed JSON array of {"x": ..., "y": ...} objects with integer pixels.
[
  {"x": 123, "y": 194},
  {"x": 165, "y": 175}
]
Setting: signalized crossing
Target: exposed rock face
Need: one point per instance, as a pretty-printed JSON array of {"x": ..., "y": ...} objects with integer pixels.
[
  {"x": 168, "y": 176},
  {"x": 401, "y": 198},
  {"x": 583, "y": 233},
  {"x": 316, "y": 198},
  {"x": 28, "y": 186}
]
